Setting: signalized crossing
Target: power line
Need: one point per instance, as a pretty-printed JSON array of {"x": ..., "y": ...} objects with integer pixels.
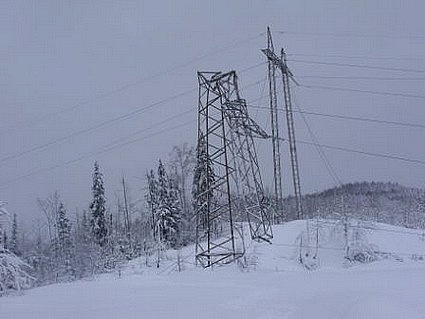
[
  {"x": 363, "y": 119},
  {"x": 353, "y": 35},
  {"x": 116, "y": 144},
  {"x": 137, "y": 82},
  {"x": 334, "y": 88},
  {"x": 95, "y": 127},
  {"x": 358, "y": 57},
  {"x": 350, "y": 150},
  {"x": 106, "y": 148},
  {"x": 345, "y": 149},
  {"x": 388, "y": 156},
  {"x": 126, "y": 116},
  {"x": 319, "y": 150},
  {"x": 380, "y": 78},
  {"x": 251, "y": 67},
  {"x": 361, "y": 66},
  {"x": 122, "y": 139},
  {"x": 352, "y": 118}
]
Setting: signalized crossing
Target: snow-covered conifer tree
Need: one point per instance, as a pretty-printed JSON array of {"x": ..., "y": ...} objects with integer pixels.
[
  {"x": 84, "y": 247},
  {"x": 13, "y": 271},
  {"x": 4, "y": 240},
  {"x": 64, "y": 244},
  {"x": 182, "y": 164},
  {"x": 176, "y": 211},
  {"x": 152, "y": 199},
  {"x": 98, "y": 220},
  {"x": 4, "y": 217},
  {"x": 13, "y": 245},
  {"x": 167, "y": 211}
]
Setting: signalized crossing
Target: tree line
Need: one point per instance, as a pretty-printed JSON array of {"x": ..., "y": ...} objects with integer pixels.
[
  {"x": 107, "y": 233},
  {"x": 68, "y": 246}
]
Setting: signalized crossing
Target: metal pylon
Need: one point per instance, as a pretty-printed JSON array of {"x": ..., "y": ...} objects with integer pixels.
[
  {"x": 218, "y": 238},
  {"x": 277, "y": 171},
  {"x": 286, "y": 74},
  {"x": 280, "y": 64},
  {"x": 236, "y": 190}
]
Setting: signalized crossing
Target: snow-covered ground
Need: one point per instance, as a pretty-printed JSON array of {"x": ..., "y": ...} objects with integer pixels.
[{"x": 273, "y": 285}]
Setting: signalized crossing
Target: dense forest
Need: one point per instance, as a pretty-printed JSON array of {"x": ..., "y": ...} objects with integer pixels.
[{"x": 389, "y": 203}]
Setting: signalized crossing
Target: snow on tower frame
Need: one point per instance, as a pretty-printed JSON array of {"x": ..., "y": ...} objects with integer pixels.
[{"x": 227, "y": 132}]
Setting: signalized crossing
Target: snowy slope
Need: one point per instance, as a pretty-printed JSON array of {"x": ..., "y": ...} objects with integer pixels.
[
  {"x": 384, "y": 242},
  {"x": 273, "y": 285}
]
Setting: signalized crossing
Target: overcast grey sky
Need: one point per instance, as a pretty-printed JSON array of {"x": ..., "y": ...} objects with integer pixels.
[{"x": 66, "y": 66}]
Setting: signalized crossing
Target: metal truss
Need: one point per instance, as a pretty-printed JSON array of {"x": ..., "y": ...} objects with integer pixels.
[
  {"x": 280, "y": 64},
  {"x": 248, "y": 177},
  {"x": 218, "y": 238},
  {"x": 227, "y": 132},
  {"x": 277, "y": 171}
]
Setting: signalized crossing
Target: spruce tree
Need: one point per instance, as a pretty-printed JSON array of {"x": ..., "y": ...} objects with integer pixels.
[
  {"x": 176, "y": 209},
  {"x": 152, "y": 199},
  {"x": 4, "y": 216},
  {"x": 98, "y": 222},
  {"x": 84, "y": 252},
  {"x": 182, "y": 164},
  {"x": 85, "y": 233},
  {"x": 64, "y": 243},
  {"x": 167, "y": 211},
  {"x": 14, "y": 247},
  {"x": 4, "y": 241},
  {"x": 13, "y": 271},
  {"x": 40, "y": 261}
]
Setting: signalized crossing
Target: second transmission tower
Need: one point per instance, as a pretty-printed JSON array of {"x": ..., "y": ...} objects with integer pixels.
[
  {"x": 279, "y": 63},
  {"x": 277, "y": 173}
]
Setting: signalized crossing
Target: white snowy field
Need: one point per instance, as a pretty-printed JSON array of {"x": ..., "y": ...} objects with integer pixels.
[{"x": 274, "y": 286}]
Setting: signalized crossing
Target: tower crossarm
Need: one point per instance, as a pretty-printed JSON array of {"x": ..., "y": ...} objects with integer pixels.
[
  {"x": 237, "y": 111},
  {"x": 279, "y": 63}
]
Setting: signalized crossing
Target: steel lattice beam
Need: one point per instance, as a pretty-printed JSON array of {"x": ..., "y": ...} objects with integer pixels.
[
  {"x": 227, "y": 131},
  {"x": 218, "y": 238},
  {"x": 277, "y": 171},
  {"x": 279, "y": 63}
]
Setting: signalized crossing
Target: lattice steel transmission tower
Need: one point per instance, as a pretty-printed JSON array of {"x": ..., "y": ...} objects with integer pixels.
[
  {"x": 232, "y": 188},
  {"x": 279, "y": 63},
  {"x": 277, "y": 171}
]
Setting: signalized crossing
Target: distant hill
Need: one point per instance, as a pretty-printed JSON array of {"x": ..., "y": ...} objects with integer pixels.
[{"x": 389, "y": 203}]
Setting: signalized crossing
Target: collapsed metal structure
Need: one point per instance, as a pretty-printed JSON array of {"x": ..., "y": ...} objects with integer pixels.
[{"x": 234, "y": 191}]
